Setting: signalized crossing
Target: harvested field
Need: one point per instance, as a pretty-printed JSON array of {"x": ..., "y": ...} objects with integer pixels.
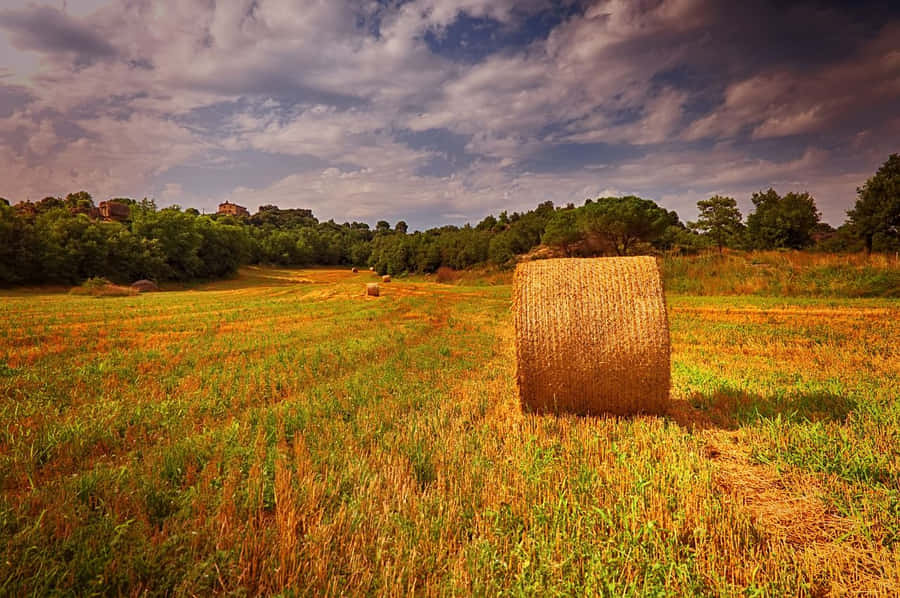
[{"x": 280, "y": 431}]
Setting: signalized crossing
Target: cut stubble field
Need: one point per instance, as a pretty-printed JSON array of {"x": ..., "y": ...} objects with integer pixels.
[{"x": 283, "y": 433}]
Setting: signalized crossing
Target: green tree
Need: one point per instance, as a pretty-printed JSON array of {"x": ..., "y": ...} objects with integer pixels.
[
  {"x": 719, "y": 219},
  {"x": 501, "y": 248},
  {"x": 488, "y": 223},
  {"x": 562, "y": 231},
  {"x": 18, "y": 248},
  {"x": 49, "y": 203},
  {"x": 178, "y": 237},
  {"x": 81, "y": 200},
  {"x": 624, "y": 221},
  {"x": 877, "y": 211},
  {"x": 131, "y": 257},
  {"x": 223, "y": 248},
  {"x": 778, "y": 221}
]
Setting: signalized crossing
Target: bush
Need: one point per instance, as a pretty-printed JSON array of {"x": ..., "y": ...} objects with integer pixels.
[
  {"x": 101, "y": 287},
  {"x": 445, "y": 275}
]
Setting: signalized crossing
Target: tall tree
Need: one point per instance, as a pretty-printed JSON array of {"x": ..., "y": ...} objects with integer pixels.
[
  {"x": 624, "y": 221},
  {"x": 719, "y": 219},
  {"x": 782, "y": 221},
  {"x": 562, "y": 231},
  {"x": 877, "y": 211}
]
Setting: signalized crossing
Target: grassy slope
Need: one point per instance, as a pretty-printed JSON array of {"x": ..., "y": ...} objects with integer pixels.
[
  {"x": 760, "y": 274},
  {"x": 281, "y": 430},
  {"x": 792, "y": 273}
]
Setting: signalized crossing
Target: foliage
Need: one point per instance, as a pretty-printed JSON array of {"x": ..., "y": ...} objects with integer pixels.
[
  {"x": 719, "y": 219},
  {"x": 562, "y": 231},
  {"x": 58, "y": 240},
  {"x": 625, "y": 221},
  {"x": 876, "y": 215},
  {"x": 782, "y": 222}
]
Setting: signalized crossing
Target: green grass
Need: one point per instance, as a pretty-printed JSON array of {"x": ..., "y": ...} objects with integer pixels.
[
  {"x": 281, "y": 433},
  {"x": 784, "y": 274}
]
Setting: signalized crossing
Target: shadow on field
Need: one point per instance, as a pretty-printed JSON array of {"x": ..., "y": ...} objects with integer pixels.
[{"x": 729, "y": 408}]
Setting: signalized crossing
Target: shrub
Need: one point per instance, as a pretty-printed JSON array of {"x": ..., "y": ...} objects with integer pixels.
[
  {"x": 445, "y": 275},
  {"x": 101, "y": 287}
]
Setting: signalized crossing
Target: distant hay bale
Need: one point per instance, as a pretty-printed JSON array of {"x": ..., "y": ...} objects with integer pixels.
[
  {"x": 386, "y": 278},
  {"x": 592, "y": 336},
  {"x": 144, "y": 286},
  {"x": 354, "y": 269},
  {"x": 372, "y": 289}
]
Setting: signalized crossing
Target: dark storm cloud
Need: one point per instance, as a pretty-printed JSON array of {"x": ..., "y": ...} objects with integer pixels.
[{"x": 50, "y": 31}]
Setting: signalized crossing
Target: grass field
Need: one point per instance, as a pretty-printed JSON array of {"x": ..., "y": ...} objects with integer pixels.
[{"x": 281, "y": 432}]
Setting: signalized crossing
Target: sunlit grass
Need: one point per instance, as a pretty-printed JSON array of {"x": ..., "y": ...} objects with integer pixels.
[{"x": 280, "y": 430}]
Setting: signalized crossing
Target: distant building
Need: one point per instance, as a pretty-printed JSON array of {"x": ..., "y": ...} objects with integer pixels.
[
  {"x": 232, "y": 209},
  {"x": 113, "y": 210}
]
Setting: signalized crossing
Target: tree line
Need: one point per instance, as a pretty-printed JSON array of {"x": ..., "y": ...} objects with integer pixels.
[{"x": 60, "y": 240}]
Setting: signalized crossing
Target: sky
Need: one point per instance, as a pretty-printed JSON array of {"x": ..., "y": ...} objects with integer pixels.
[{"x": 440, "y": 112}]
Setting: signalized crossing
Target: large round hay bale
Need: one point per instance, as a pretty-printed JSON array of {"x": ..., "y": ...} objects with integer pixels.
[
  {"x": 354, "y": 270},
  {"x": 592, "y": 336},
  {"x": 144, "y": 286},
  {"x": 372, "y": 289},
  {"x": 386, "y": 278}
]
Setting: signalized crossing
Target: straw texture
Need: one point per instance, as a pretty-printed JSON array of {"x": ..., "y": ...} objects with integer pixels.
[
  {"x": 372, "y": 289},
  {"x": 592, "y": 336}
]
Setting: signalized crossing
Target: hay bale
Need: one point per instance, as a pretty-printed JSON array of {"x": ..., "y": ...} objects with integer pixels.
[
  {"x": 372, "y": 289},
  {"x": 592, "y": 336},
  {"x": 354, "y": 270},
  {"x": 386, "y": 278},
  {"x": 144, "y": 286}
]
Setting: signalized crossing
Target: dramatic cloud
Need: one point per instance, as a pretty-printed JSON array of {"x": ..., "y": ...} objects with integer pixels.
[
  {"x": 47, "y": 30},
  {"x": 436, "y": 111}
]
